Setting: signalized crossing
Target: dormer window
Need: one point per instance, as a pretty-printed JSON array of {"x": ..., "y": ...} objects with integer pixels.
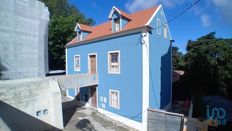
[
  {"x": 118, "y": 18},
  {"x": 79, "y": 35},
  {"x": 117, "y": 24},
  {"x": 82, "y": 31}
]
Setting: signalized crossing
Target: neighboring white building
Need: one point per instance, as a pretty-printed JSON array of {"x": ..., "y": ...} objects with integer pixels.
[{"x": 23, "y": 39}]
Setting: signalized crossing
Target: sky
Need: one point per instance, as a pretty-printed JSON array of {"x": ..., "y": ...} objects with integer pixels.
[{"x": 207, "y": 16}]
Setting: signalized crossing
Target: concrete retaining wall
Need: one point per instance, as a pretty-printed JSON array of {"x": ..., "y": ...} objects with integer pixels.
[
  {"x": 159, "y": 120},
  {"x": 30, "y": 104}
]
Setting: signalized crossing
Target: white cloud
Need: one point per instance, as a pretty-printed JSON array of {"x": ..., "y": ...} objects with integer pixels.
[
  {"x": 225, "y": 7},
  {"x": 135, "y": 5},
  {"x": 205, "y": 19}
]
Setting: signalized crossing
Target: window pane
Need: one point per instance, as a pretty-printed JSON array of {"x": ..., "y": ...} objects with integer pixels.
[
  {"x": 77, "y": 62},
  {"x": 114, "y": 57},
  {"x": 114, "y": 62}
]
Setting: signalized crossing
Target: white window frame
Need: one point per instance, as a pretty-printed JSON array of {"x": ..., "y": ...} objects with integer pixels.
[
  {"x": 111, "y": 90},
  {"x": 74, "y": 63},
  {"x": 119, "y": 62},
  {"x": 165, "y": 31},
  {"x": 158, "y": 26},
  {"x": 89, "y": 61}
]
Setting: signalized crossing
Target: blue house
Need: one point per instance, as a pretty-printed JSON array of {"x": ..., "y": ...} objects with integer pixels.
[{"x": 131, "y": 55}]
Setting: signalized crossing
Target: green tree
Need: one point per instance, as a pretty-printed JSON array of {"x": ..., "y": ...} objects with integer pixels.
[
  {"x": 209, "y": 65},
  {"x": 63, "y": 18},
  {"x": 177, "y": 59}
]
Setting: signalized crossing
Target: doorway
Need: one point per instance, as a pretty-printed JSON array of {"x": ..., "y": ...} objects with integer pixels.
[
  {"x": 93, "y": 92},
  {"x": 92, "y": 63}
]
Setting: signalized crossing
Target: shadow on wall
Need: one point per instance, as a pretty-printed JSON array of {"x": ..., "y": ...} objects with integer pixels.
[
  {"x": 69, "y": 108},
  {"x": 2, "y": 68},
  {"x": 166, "y": 78},
  {"x": 17, "y": 120}
]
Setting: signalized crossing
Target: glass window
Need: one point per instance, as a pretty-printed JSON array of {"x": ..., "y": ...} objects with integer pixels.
[
  {"x": 77, "y": 63},
  {"x": 114, "y": 99},
  {"x": 114, "y": 62},
  {"x": 117, "y": 24},
  {"x": 165, "y": 31},
  {"x": 158, "y": 26}
]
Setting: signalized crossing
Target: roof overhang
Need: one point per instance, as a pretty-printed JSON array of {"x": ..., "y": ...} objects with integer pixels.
[{"x": 109, "y": 36}]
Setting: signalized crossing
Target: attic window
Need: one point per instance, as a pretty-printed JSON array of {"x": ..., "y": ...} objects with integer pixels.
[
  {"x": 117, "y": 24},
  {"x": 165, "y": 31},
  {"x": 158, "y": 26},
  {"x": 79, "y": 37}
]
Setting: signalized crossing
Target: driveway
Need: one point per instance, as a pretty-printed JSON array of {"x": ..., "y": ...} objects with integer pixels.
[
  {"x": 88, "y": 119},
  {"x": 80, "y": 118}
]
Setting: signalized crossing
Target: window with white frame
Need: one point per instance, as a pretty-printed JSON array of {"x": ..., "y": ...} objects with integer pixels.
[
  {"x": 165, "y": 31},
  {"x": 114, "y": 62},
  {"x": 158, "y": 28},
  {"x": 114, "y": 99},
  {"x": 77, "y": 63}
]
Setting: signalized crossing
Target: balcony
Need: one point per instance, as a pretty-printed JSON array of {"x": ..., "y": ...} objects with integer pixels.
[{"x": 76, "y": 80}]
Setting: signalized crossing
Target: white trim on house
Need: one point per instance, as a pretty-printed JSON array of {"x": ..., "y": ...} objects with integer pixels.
[
  {"x": 153, "y": 15},
  {"x": 119, "y": 62},
  {"x": 74, "y": 67},
  {"x": 110, "y": 104},
  {"x": 146, "y": 69},
  {"x": 112, "y": 11},
  {"x": 66, "y": 61},
  {"x": 124, "y": 120},
  {"x": 89, "y": 62}
]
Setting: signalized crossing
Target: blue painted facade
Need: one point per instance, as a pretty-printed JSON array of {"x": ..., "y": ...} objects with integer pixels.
[
  {"x": 130, "y": 55},
  {"x": 160, "y": 65},
  {"x": 130, "y": 80}
]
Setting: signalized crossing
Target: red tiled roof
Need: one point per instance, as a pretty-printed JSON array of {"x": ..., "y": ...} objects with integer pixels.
[
  {"x": 137, "y": 19},
  {"x": 85, "y": 27},
  {"x": 124, "y": 14}
]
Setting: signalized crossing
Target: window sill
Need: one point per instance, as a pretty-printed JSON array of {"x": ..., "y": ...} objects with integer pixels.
[{"x": 117, "y": 73}]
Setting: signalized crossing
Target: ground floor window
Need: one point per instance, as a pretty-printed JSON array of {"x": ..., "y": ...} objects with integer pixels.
[
  {"x": 114, "y": 99},
  {"x": 77, "y": 63}
]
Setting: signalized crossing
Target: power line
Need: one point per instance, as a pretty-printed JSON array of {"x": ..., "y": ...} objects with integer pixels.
[{"x": 179, "y": 14}]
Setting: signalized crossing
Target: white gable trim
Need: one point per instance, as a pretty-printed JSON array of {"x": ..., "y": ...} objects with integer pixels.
[
  {"x": 153, "y": 15},
  {"x": 112, "y": 12},
  {"x": 77, "y": 25},
  {"x": 66, "y": 61}
]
